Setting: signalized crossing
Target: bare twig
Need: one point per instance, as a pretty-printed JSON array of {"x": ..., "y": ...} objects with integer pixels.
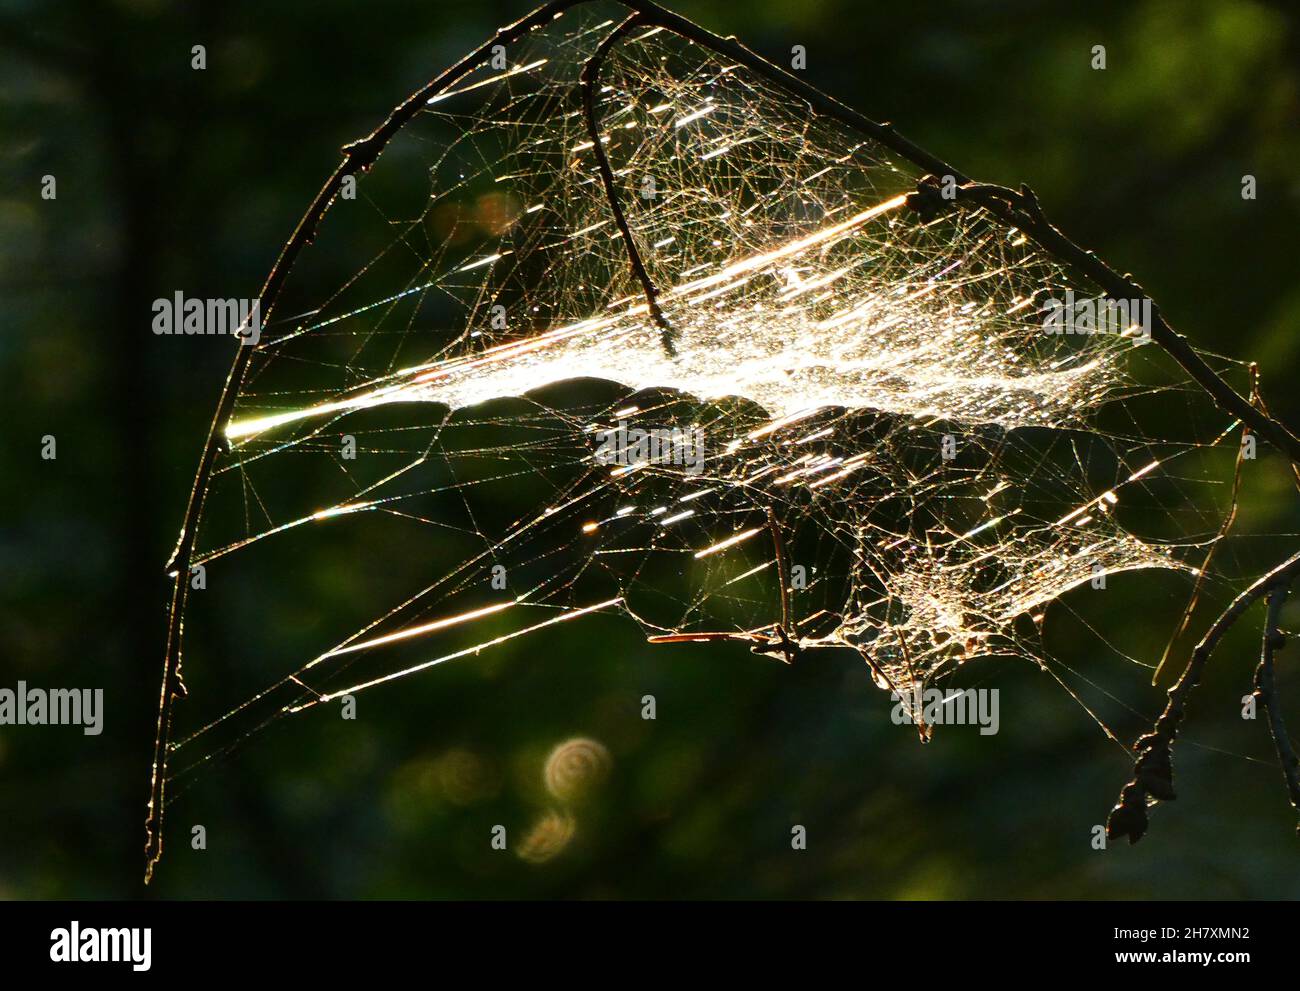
[
  {"x": 1153, "y": 772},
  {"x": 782, "y": 570},
  {"x": 784, "y": 632},
  {"x": 1266, "y": 691},
  {"x": 590, "y": 83},
  {"x": 1021, "y": 208}
]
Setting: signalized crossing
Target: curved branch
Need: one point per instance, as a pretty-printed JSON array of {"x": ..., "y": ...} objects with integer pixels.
[
  {"x": 1153, "y": 773},
  {"x": 358, "y": 157}
]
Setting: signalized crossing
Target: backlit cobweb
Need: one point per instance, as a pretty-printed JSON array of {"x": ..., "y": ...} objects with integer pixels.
[{"x": 470, "y": 320}]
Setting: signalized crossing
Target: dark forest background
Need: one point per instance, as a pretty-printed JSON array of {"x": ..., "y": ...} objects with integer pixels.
[{"x": 171, "y": 178}]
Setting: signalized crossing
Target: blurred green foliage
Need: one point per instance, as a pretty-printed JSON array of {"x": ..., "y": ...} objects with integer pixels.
[{"x": 169, "y": 178}]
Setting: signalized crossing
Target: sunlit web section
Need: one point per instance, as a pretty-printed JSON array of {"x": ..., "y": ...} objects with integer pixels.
[{"x": 877, "y": 403}]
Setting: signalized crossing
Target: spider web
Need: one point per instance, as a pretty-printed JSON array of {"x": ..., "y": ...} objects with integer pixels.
[{"x": 897, "y": 459}]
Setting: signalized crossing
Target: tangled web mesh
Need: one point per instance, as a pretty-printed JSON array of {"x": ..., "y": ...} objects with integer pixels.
[{"x": 896, "y": 458}]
